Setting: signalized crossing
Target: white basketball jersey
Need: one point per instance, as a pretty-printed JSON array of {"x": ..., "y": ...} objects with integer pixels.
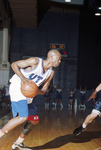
[{"x": 36, "y": 75}]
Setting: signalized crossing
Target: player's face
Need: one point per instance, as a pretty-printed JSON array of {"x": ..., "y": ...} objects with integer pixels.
[{"x": 56, "y": 60}]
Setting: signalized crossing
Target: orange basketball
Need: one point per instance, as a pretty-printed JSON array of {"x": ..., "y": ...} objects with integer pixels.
[{"x": 29, "y": 89}]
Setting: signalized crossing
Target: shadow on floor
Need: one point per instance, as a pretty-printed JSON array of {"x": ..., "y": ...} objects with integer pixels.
[{"x": 60, "y": 141}]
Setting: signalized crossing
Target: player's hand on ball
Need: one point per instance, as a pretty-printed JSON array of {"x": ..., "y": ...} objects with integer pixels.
[
  {"x": 29, "y": 89},
  {"x": 24, "y": 79}
]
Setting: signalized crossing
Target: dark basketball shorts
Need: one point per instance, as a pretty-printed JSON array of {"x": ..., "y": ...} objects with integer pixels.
[
  {"x": 97, "y": 107},
  {"x": 32, "y": 112}
]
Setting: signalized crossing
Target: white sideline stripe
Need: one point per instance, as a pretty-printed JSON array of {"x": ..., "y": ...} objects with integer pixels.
[{"x": 97, "y": 148}]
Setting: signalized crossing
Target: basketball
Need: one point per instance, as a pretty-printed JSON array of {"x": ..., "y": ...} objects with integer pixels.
[{"x": 29, "y": 89}]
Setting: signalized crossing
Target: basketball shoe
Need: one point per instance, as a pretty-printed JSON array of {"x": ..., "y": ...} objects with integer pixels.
[
  {"x": 20, "y": 146},
  {"x": 78, "y": 130}
]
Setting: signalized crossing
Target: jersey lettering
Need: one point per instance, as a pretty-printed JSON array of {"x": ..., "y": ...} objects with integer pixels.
[{"x": 33, "y": 76}]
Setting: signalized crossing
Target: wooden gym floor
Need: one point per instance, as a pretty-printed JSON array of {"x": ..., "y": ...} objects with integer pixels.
[{"x": 54, "y": 132}]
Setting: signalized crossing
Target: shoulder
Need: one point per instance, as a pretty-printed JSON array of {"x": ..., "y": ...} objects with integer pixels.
[{"x": 32, "y": 60}]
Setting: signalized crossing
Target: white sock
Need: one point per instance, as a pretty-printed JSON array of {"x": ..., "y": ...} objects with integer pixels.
[
  {"x": 83, "y": 125},
  {"x": 19, "y": 140},
  {"x": 1, "y": 133}
]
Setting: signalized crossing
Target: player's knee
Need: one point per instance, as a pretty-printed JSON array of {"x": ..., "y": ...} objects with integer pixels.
[
  {"x": 35, "y": 122},
  {"x": 93, "y": 116},
  {"x": 27, "y": 128},
  {"x": 22, "y": 119}
]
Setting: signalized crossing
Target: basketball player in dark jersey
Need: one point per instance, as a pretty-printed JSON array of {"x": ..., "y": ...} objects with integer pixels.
[{"x": 95, "y": 112}]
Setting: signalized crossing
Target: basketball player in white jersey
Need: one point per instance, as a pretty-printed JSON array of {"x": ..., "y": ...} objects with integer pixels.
[{"x": 41, "y": 72}]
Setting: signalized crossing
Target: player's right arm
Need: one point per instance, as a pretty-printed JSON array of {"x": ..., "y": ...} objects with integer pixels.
[
  {"x": 93, "y": 96},
  {"x": 27, "y": 64}
]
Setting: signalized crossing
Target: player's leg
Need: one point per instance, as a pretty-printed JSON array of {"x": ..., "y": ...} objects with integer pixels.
[
  {"x": 94, "y": 114},
  {"x": 26, "y": 130},
  {"x": 33, "y": 119},
  {"x": 89, "y": 118},
  {"x": 13, "y": 123},
  {"x": 20, "y": 114}
]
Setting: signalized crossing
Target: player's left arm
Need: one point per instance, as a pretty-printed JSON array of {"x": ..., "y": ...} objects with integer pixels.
[
  {"x": 46, "y": 84},
  {"x": 27, "y": 64}
]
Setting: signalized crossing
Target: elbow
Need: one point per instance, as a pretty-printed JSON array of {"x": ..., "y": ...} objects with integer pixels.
[
  {"x": 43, "y": 92},
  {"x": 40, "y": 92},
  {"x": 12, "y": 65}
]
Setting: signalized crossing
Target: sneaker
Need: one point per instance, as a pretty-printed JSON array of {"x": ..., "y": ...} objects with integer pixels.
[
  {"x": 20, "y": 146},
  {"x": 77, "y": 131}
]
